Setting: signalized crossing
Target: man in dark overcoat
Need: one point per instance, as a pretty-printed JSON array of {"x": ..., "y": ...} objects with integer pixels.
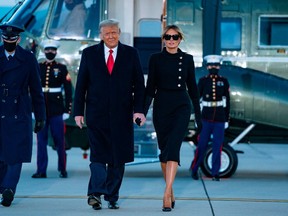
[
  {"x": 20, "y": 92},
  {"x": 112, "y": 96}
]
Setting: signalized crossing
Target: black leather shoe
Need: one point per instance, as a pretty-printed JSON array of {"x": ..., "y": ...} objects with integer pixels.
[
  {"x": 63, "y": 174},
  {"x": 97, "y": 206},
  {"x": 113, "y": 205},
  {"x": 216, "y": 178},
  {"x": 194, "y": 175},
  {"x": 39, "y": 175},
  {"x": 7, "y": 197},
  {"x": 95, "y": 202}
]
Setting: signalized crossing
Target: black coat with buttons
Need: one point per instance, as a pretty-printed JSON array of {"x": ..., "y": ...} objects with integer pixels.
[
  {"x": 171, "y": 82},
  {"x": 20, "y": 91},
  {"x": 213, "y": 88},
  {"x": 55, "y": 75}
]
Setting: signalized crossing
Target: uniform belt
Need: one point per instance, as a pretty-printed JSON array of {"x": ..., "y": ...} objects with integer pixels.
[
  {"x": 51, "y": 90},
  {"x": 212, "y": 103}
]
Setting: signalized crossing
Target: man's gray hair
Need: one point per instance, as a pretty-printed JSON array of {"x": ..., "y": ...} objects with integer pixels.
[{"x": 109, "y": 22}]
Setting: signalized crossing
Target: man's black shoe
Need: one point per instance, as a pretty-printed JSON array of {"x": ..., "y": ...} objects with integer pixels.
[
  {"x": 95, "y": 202},
  {"x": 216, "y": 178},
  {"x": 39, "y": 175},
  {"x": 113, "y": 205},
  {"x": 194, "y": 175},
  {"x": 63, "y": 174},
  {"x": 7, "y": 197}
]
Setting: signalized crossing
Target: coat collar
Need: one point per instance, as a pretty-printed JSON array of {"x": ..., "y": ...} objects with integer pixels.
[
  {"x": 18, "y": 53},
  {"x": 18, "y": 59}
]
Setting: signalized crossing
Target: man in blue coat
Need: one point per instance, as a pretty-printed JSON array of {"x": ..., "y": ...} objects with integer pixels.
[
  {"x": 112, "y": 97},
  {"x": 20, "y": 92}
]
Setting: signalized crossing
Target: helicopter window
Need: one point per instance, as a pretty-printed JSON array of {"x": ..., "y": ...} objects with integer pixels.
[
  {"x": 75, "y": 19},
  {"x": 231, "y": 34},
  {"x": 36, "y": 22},
  {"x": 32, "y": 15},
  {"x": 273, "y": 31}
]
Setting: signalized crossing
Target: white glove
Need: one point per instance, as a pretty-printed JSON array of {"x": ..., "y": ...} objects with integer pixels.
[
  {"x": 65, "y": 116},
  {"x": 226, "y": 125},
  {"x": 33, "y": 116}
]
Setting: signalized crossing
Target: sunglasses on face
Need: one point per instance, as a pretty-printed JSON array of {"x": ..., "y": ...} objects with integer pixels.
[{"x": 174, "y": 37}]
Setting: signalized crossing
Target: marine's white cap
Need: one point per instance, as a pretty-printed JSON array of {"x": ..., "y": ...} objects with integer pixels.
[
  {"x": 213, "y": 59},
  {"x": 50, "y": 44}
]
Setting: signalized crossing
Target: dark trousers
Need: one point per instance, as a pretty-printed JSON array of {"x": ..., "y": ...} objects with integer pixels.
[
  {"x": 9, "y": 176},
  {"x": 216, "y": 129},
  {"x": 105, "y": 179},
  {"x": 56, "y": 126}
]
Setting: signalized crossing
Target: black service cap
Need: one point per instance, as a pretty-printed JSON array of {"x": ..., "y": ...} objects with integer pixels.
[{"x": 10, "y": 32}]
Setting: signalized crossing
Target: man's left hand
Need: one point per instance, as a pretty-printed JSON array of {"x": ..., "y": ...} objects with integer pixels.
[
  {"x": 226, "y": 125},
  {"x": 65, "y": 116}
]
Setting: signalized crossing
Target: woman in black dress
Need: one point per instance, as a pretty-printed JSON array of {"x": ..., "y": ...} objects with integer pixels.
[{"x": 172, "y": 84}]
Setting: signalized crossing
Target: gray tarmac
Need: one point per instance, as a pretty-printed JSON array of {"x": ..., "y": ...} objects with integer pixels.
[{"x": 259, "y": 187}]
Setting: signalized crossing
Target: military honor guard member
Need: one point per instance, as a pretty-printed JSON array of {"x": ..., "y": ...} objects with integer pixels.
[
  {"x": 214, "y": 93},
  {"x": 55, "y": 79},
  {"x": 20, "y": 92}
]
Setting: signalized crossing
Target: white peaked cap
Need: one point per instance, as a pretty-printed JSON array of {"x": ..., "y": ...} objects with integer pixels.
[
  {"x": 210, "y": 59},
  {"x": 50, "y": 43}
]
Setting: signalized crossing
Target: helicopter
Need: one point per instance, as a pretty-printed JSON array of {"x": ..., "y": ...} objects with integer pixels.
[{"x": 250, "y": 35}]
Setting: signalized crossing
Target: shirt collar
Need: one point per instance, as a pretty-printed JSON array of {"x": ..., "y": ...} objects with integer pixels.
[
  {"x": 7, "y": 54},
  {"x": 106, "y": 49}
]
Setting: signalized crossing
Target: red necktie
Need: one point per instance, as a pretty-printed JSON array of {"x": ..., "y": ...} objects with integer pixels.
[{"x": 110, "y": 62}]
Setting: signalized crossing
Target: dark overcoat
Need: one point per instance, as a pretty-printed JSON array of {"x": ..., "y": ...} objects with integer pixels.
[
  {"x": 110, "y": 101},
  {"x": 20, "y": 90}
]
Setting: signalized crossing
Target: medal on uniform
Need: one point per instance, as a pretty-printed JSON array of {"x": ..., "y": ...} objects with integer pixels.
[{"x": 56, "y": 71}]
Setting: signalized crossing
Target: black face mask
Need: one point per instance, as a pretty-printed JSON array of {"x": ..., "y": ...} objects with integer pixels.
[
  {"x": 50, "y": 56},
  {"x": 10, "y": 47},
  {"x": 213, "y": 71}
]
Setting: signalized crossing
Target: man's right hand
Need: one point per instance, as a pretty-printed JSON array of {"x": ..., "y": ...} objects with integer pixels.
[
  {"x": 198, "y": 124},
  {"x": 39, "y": 124}
]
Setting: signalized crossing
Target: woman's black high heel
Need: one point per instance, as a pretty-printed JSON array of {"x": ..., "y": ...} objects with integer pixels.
[
  {"x": 172, "y": 200},
  {"x": 167, "y": 204}
]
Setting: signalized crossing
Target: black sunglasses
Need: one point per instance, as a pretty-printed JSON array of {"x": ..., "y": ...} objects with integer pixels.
[{"x": 168, "y": 37}]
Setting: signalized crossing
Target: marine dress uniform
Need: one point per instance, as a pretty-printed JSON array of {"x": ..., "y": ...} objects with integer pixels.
[
  {"x": 54, "y": 79},
  {"x": 20, "y": 92},
  {"x": 214, "y": 93}
]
